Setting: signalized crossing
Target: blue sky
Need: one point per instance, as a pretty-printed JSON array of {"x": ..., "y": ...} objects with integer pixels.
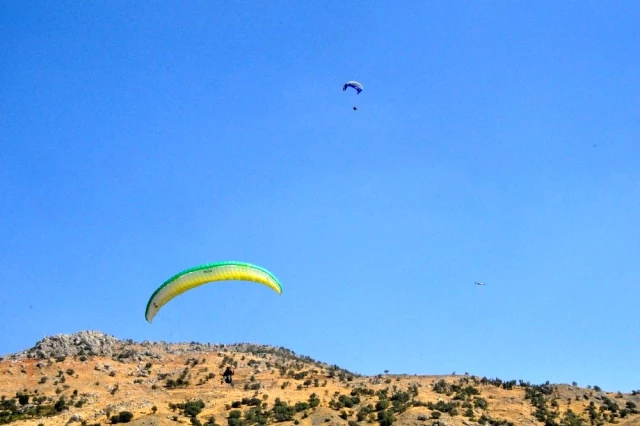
[{"x": 495, "y": 141}]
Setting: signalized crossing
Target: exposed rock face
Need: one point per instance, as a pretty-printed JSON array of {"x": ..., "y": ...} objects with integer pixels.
[
  {"x": 95, "y": 343},
  {"x": 63, "y": 345},
  {"x": 75, "y": 418}
]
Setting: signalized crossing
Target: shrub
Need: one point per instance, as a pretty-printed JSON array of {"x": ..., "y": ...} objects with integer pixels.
[
  {"x": 386, "y": 417},
  {"x": 441, "y": 387},
  {"x": 23, "y": 399},
  {"x": 364, "y": 412},
  {"x": 60, "y": 405},
  {"x": 256, "y": 415},
  {"x": 480, "y": 403},
  {"x": 314, "y": 401},
  {"x": 125, "y": 416},
  {"x": 234, "y": 418},
  {"x": 300, "y": 406},
  {"x": 282, "y": 411},
  {"x": 252, "y": 402},
  {"x": 382, "y": 405},
  {"x": 494, "y": 422},
  {"x": 193, "y": 408},
  {"x": 571, "y": 419}
]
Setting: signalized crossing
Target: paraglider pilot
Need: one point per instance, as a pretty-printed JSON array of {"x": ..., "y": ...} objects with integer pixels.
[{"x": 227, "y": 374}]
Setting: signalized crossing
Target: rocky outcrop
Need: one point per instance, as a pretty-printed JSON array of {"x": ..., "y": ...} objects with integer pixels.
[{"x": 88, "y": 343}]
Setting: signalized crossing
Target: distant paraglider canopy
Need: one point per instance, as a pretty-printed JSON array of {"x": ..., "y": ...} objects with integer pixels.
[
  {"x": 354, "y": 84},
  {"x": 194, "y": 277}
]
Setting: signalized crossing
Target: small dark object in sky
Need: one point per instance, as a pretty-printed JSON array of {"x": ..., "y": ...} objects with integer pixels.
[{"x": 355, "y": 109}]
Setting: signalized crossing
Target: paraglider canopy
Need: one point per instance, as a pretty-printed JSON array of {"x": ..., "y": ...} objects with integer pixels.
[
  {"x": 354, "y": 84},
  {"x": 194, "y": 277}
]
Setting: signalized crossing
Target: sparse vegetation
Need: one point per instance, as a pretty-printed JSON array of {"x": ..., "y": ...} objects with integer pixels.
[
  {"x": 122, "y": 417},
  {"x": 353, "y": 399},
  {"x": 193, "y": 408},
  {"x": 282, "y": 411}
]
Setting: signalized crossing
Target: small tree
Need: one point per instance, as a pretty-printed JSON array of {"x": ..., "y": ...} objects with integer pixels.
[
  {"x": 386, "y": 417},
  {"x": 234, "y": 418},
  {"x": 124, "y": 417},
  {"x": 382, "y": 405},
  {"x": 193, "y": 408},
  {"x": 60, "y": 405},
  {"x": 480, "y": 403},
  {"x": 23, "y": 399}
]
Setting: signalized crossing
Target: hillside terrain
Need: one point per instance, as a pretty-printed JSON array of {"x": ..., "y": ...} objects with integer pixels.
[{"x": 91, "y": 378}]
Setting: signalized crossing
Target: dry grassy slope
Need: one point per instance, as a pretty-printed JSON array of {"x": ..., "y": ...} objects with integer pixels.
[{"x": 93, "y": 379}]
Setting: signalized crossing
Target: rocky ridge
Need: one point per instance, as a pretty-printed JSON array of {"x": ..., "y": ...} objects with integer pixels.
[{"x": 89, "y": 377}]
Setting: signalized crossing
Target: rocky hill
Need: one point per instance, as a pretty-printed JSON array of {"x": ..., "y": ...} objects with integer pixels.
[{"x": 91, "y": 378}]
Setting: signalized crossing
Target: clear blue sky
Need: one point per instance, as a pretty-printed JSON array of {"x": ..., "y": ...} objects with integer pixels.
[{"x": 495, "y": 141}]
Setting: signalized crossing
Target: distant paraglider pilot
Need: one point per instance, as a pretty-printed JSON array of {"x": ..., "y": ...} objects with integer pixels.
[
  {"x": 354, "y": 85},
  {"x": 227, "y": 375}
]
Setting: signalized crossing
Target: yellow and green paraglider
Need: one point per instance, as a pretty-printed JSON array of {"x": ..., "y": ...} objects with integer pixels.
[{"x": 194, "y": 277}]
